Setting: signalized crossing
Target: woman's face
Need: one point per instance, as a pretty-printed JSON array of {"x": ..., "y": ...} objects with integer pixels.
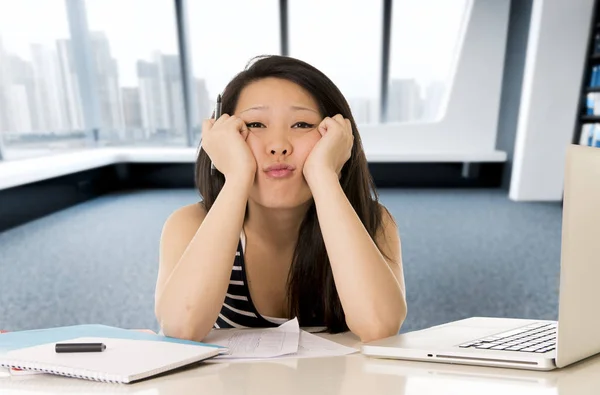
[{"x": 282, "y": 119}]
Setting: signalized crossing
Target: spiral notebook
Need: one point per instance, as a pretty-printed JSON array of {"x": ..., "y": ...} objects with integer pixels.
[{"x": 123, "y": 361}]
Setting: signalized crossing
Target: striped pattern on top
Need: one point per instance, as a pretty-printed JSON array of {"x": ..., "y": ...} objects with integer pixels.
[{"x": 238, "y": 311}]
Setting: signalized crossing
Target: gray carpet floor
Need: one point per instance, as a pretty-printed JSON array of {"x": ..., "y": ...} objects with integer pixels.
[{"x": 465, "y": 252}]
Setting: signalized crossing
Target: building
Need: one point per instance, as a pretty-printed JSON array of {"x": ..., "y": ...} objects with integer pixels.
[
  {"x": 203, "y": 102},
  {"x": 161, "y": 96},
  {"x": 48, "y": 91},
  {"x": 361, "y": 110},
  {"x": 107, "y": 82},
  {"x": 69, "y": 81},
  {"x": 151, "y": 109},
  {"x": 434, "y": 99},
  {"x": 4, "y": 81},
  {"x": 169, "y": 67},
  {"x": 132, "y": 111},
  {"x": 404, "y": 101},
  {"x": 19, "y": 109}
]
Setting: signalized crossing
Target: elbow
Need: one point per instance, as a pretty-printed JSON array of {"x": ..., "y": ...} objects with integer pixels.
[
  {"x": 184, "y": 330},
  {"x": 383, "y": 327},
  {"x": 377, "y": 332},
  {"x": 180, "y": 326}
]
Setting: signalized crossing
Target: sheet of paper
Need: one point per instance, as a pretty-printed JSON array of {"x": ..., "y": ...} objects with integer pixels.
[
  {"x": 312, "y": 346},
  {"x": 257, "y": 343},
  {"x": 309, "y": 346}
]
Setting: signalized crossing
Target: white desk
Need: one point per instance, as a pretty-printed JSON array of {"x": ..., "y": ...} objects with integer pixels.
[{"x": 354, "y": 374}]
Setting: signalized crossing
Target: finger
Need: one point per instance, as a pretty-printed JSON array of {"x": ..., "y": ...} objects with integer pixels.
[
  {"x": 338, "y": 122},
  {"x": 339, "y": 119},
  {"x": 245, "y": 132},
  {"x": 349, "y": 133},
  {"x": 238, "y": 123},
  {"x": 207, "y": 125},
  {"x": 324, "y": 125},
  {"x": 222, "y": 119},
  {"x": 349, "y": 126}
]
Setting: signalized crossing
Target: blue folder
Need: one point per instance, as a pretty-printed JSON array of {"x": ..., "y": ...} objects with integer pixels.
[{"x": 15, "y": 340}]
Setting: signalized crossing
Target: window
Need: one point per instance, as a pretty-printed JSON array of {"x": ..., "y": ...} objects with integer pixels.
[
  {"x": 40, "y": 108},
  {"x": 137, "y": 74},
  {"x": 224, "y": 36},
  {"x": 342, "y": 38},
  {"x": 425, "y": 41}
]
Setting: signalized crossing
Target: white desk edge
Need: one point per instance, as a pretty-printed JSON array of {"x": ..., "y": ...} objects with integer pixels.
[{"x": 26, "y": 171}]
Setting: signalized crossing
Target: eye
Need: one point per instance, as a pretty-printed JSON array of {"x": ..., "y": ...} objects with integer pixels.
[
  {"x": 254, "y": 125},
  {"x": 303, "y": 125}
]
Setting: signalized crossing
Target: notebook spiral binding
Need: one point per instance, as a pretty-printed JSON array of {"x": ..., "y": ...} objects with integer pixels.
[{"x": 68, "y": 372}]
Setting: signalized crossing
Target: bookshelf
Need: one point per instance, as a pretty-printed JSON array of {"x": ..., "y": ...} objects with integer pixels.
[
  {"x": 588, "y": 112},
  {"x": 590, "y": 119}
]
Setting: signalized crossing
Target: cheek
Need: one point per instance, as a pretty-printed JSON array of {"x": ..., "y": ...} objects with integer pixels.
[
  {"x": 305, "y": 144},
  {"x": 254, "y": 145}
]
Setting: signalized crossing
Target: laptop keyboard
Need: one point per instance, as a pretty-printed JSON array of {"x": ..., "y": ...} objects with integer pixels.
[{"x": 539, "y": 337}]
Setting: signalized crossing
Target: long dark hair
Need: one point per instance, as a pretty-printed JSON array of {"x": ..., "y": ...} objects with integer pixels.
[{"x": 311, "y": 291}]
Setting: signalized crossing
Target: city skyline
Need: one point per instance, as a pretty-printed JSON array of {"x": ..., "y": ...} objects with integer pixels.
[
  {"x": 428, "y": 60},
  {"x": 43, "y": 96}
]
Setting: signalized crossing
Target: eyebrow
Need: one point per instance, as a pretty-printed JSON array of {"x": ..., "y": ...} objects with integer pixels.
[{"x": 295, "y": 108}]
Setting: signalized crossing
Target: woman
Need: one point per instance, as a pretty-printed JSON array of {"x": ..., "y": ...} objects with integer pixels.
[{"x": 289, "y": 225}]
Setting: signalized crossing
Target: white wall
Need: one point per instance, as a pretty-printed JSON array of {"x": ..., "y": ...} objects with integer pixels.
[
  {"x": 558, "y": 37},
  {"x": 468, "y": 128}
]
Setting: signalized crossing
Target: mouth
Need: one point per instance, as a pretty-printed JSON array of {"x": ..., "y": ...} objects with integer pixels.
[{"x": 279, "y": 170}]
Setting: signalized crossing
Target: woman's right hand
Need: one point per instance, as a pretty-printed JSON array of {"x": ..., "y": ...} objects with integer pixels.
[{"x": 224, "y": 140}]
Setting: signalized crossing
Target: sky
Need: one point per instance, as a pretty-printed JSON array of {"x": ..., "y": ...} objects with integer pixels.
[{"x": 340, "y": 37}]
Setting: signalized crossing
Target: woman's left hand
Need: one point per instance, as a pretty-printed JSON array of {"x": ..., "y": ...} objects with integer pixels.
[{"x": 333, "y": 150}]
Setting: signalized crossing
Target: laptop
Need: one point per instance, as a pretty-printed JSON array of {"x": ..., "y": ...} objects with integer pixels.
[
  {"x": 410, "y": 378},
  {"x": 531, "y": 344}
]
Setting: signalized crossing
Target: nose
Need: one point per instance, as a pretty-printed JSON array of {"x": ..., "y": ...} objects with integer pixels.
[
  {"x": 283, "y": 151},
  {"x": 280, "y": 145}
]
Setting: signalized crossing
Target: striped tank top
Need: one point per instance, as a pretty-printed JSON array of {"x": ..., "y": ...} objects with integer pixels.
[{"x": 238, "y": 311}]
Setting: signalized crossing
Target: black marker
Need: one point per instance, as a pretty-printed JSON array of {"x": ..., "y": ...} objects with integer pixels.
[
  {"x": 79, "y": 347},
  {"x": 217, "y": 116}
]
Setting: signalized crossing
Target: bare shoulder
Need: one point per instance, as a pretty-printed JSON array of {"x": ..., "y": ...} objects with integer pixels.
[
  {"x": 179, "y": 229},
  {"x": 186, "y": 216},
  {"x": 182, "y": 224}
]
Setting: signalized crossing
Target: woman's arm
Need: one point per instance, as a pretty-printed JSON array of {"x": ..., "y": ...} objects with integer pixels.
[
  {"x": 196, "y": 256},
  {"x": 371, "y": 287}
]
